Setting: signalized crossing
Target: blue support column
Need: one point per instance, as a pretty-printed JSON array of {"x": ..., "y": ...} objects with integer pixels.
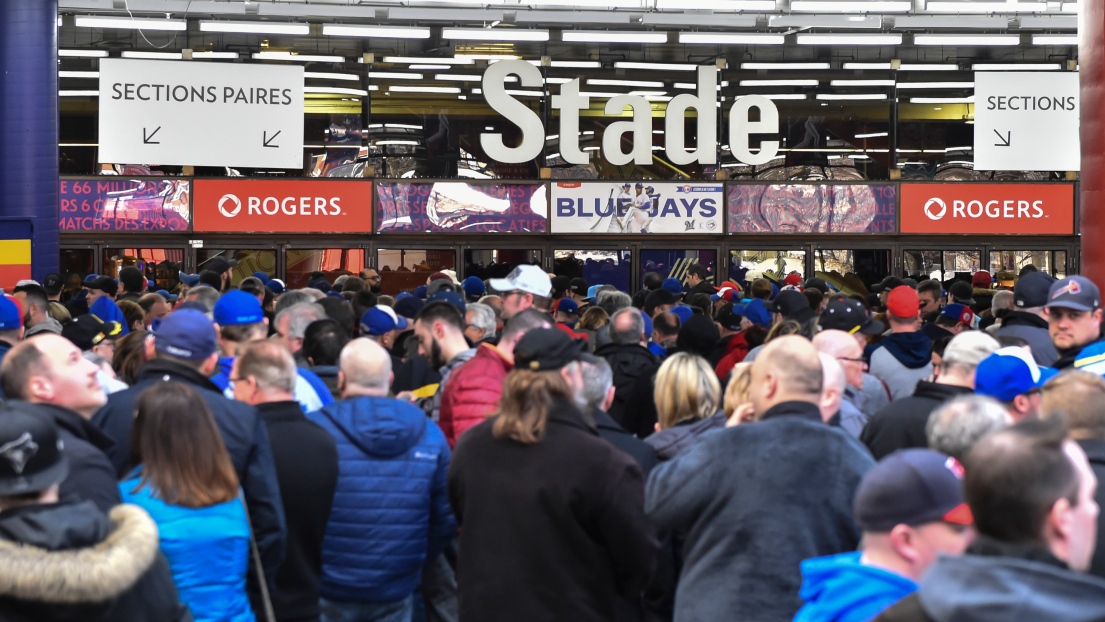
[{"x": 29, "y": 125}]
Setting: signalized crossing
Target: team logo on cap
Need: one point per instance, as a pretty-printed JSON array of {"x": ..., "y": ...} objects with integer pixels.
[
  {"x": 233, "y": 201},
  {"x": 1072, "y": 288},
  {"x": 953, "y": 465},
  {"x": 936, "y": 202},
  {"x": 19, "y": 452}
]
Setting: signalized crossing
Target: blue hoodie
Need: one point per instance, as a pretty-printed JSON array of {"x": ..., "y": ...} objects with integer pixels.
[{"x": 838, "y": 588}]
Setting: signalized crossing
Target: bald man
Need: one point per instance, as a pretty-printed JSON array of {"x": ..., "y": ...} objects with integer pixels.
[
  {"x": 847, "y": 355},
  {"x": 757, "y": 499},
  {"x": 390, "y": 455}
]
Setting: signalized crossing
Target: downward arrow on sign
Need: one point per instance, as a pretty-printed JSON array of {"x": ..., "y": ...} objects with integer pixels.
[
  {"x": 146, "y": 139},
  {"x": 1005, "y": 140},
  {"x": 266, "y": 139}
]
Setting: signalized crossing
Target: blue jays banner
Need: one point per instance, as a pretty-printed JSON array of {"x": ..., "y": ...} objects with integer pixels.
[{"x": 637, "y": 207}]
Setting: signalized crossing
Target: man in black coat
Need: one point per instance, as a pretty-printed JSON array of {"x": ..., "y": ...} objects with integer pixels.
[
  {"x": 627, "y": 355},
  {"x": 696, "y": 279},
  {"x": 51, "y": 379},
  {"x": 183, "y": 350},
  {"x": 306, "y": 459},
  {"x": 69, "y": 560},
  {"x": 901, "y": 424},
  {"x": 551, "y": 515}
]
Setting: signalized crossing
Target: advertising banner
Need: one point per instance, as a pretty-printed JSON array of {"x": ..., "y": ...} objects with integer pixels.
[
  {"x": 812, "y": 208},
  {"x": 123, "y": 204},
  {"x": 636, "y": 207},
  {"x": 998, "y": 208},
  {"x": 282, "y": 206},
  {"x": 461, "y": 207}
]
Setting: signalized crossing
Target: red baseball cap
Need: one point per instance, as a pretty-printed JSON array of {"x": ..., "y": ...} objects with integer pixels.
[
  {"x": 982, "y": 278},
  {"x": 794, "y": 279},
  {"x": 903, "y": 302}
]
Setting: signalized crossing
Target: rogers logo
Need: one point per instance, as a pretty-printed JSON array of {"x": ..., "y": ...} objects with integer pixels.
[
  {"x": 938, "y": 215},
  {"x": 233, "y": 200}
]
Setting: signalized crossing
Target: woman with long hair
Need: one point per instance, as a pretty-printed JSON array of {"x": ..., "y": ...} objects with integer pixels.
[
  {"x": 186, "y": 482},
  {"x": 688, "y": 401}
]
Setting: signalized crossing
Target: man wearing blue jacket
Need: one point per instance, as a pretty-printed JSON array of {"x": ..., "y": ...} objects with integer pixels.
[
  {"x": 391, "y": 508},
  {"x": 910, "y": 508}
]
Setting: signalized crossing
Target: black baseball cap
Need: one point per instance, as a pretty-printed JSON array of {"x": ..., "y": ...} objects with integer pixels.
[
  {"x": 218, "y": 264},
  {"x": 579, "y": 287},
  {"x": 1031, "y": 290},
  {"x": 1074, "y": 292},
  {"x": 52, "y": 284},
  {"x": 31, "y": 458},
  {"x": 911, "y": 487},
  {"x": 817, "y": 283},
  {"x": 963, "y": 292},
  {"x": 887, "y": 284},
  {"x": 792, "y": 305},
  {"x": 88, "y": 330},
  {"x": 850, "y": 316},
  {"x": 105, "y": 284},
  {"x": 728, "y": 317},
  {"x": 560, "y": 284},
  {"x": 546, "y": 349}
]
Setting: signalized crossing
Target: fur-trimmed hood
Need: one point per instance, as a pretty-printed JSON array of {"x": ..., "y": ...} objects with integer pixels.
[{"x": 72, "y": 553}]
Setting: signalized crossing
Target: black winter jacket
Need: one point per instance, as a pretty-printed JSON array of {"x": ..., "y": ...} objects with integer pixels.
[
  {"x": 901, "y": 424},
  {"x": 628, "y": 362}
]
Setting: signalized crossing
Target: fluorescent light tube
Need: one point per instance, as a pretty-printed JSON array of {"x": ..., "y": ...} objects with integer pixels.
[
  {"x": 867, "y": 66},
  {"x": 303, "y": 58},
  {"x": 577, "y": 64},
  {"x": 873, "y": 135},
  {"x": 457, "y": 77},
  {"x": 782, "y": 96},
  {"x": 942, "y": 100},
  {"x": 337, "y": 90},
  {"x": 130, "y": 23},
  {"x": 214, "y": 55},
  {"x": 985, "y": 7},
  {"x": 935, "y": 85},
  {"x": 819, "y": 39},
  {"x": 872, "y": 6},
  {"x": 78, "y": 74},
  {"x": 640, "y": 83},
  {"x": 430, "y": 67},
  {"x": 611, "y": 36},
  {"x": 716, "y": 5},
  {"x": 1016, "y": 67},
  {"x": 154, "y": 55},
  {"x": 261, "y": 28},
  {"x": 853, "y": 96},
  {"x": 928, "y": 67},
  {"x": 490, "y": 58},
  {"x": 424, "y": 89},
  {"x": 331, "y": 76},
  {"x": 1054, "y": 39},
  {"x": 391, "y": 32},
  {"x": 437, "y": 60},
  {"x": 719, "y": 38},
  {"x": 394, "y": 75},
  {"x": 655, "y": 66},
  {"x": 785, "y": 66},
  {"x": 495, "y": 34},
  {"x": 396, "y": 142},
  {"x": 966, "y": 39},
  {"x": 779, "y": 82},
  {"x": 861, "y": 83},
  {"x": 78, "y": 93},
  {"x": 82, "y": 53}
]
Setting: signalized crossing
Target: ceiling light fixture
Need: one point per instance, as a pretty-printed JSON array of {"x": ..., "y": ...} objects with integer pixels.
[
  {"x": 1016, "y": 67},
  {"x": 338, "y": 90},
  {"x": 394, "y": 75},
  {"x": 718, "y": 38},
  {"x": 655, "y": 66},
  {"x": 851, "y": 96},
  {"x": 495, "y": 34},
  {"x": 935, "y": 85},
  {"x": 861, "y": 83},
  {"x": 862, "y": 66},
  {"x": 785, "y": 66},
  {"x": 429, "y": 67},
  {"x": 928, "y": 67},
  {"x": 391, "y": 32},
  {"x": 215, "y": 56},
  {"x": 459, "y": 60},
  {"x": 82, "y": 53},
  {"x": 611, "y": 36},
  {"x": 942, "y": 100},
  {"x": 1054, "y": 39},
  {"x": 871, "y": 6},
  {"x": 985, "y": 7},
  {"x": 78, "y": 93},
  {"x": 873, "y": 135},
  {"x": 716, "y": 5},
  {"x": 640, "y": 83},
  {"x": 261, "y": 28},
  {"x": 78, "y": 74},
  {"x": 424, "y": 89},
  {"x": 154, "y": 55},
  {"x": 302, "y": 58},
  {"x": 331, "y": 76},
  {"x": 820, "y": 39},
  {"x": 967, "y": 40},
  {"x": 577, "y": 64},
  {"x": 130, "y": 23},
  {"x": 779, "y": 82}
]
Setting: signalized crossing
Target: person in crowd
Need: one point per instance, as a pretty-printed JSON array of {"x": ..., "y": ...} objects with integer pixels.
[
  {"x": 372, "y": 277},
  {"x": 564, "y": 535},
  {"x": 339, "y": 310},
  {"x": 439, "y": 329},
  {"x": 205, "y": 296},
  {"x": 961, "y": 292},
  {"x": 755, "y": 323},
  {"x": 566, "y": 314},
  {"x": 103, "y": 286},
  {"x": 130, "y": 353},
  {"x": 902, "y": 424},
  {"x": 134, "y": 316},
  {"x": 184, "y": 350},
  {"x": 844, "y": 347},
  {"x": 474, "y": 389},
  {"x": 738, "y": 396},
  {"x": 883, "y": 289},
  {"x": 155, "y": 307},
  {"x": 577, "y": 291},
  {"x": 729, "y": 321},
  {"x": 1002, "y": 305},
  {"x": 184, "y": 479},
  {"x": 1078, "y": 398},
  {"x": 698, "y": 279},
  {"x": 665, "y": 332},
  {"x": 930, "y": 298},
  {"x": 292, "y": 323},
  {"x": 69, "y": 560},
  {"x": 755, "y": 499},
  {"x": 1010, "y": 375},
  {"x": 133, "y": 284},
  {"x": 36, "y": 310},
  {"x": 902, "y": 358},
  {"x": 627, "y": 355},
  {"x": 1074, "y": 317},
  {"x": 525, "y": 287},
  {"x": 1029, "y": 319},
  {"x": 688, "y": 404},
  {"x": 222, "y": 268},
  {"x": 598, "y": 390},
  {"x": 96, "y": 338},
  {"x": 957, "y": 425},
  {"x": 651, "y": 281},
  {"x": 659, "y": 301},
  {"x": 496, "y": 304},
  {"x": 353, "y": 284},
  {"x": 291, "y": 298},
  {"x": 322, "y": 345},
  {"x": 790, "y": 305},
  {"x": 835, "y": 409},
  {"x": 1031, "y": 493},
  {"x": 952, "y": 320},
  {"x": 474, "y": 289},
  {"x": 383, "y": 325},
  {"x": 390, "y": 511},
  {"x": 306, "y": 459},
  {"x": 480, "y": 324},
  {"x": 910, "y": 508}
]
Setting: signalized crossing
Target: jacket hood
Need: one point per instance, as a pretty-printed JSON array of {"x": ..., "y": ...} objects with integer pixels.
[
  {"x": 170, "y": 370},
  {"x": 674, "y": 440},
  {"x": 378, "y": 426},
  {"x": 70, "y": 554},
  {"x": 841, "y": 588},
  {"x": 49, "y": 325},
  {"x": 698, "y": 335},
  {"x": 974, "y": 588},
  {"x": 1024, "y": 318},
  {"x": 913, "y": 350}
]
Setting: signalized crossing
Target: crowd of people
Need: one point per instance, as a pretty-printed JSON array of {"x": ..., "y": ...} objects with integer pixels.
[{"x": 535, "y": 447}]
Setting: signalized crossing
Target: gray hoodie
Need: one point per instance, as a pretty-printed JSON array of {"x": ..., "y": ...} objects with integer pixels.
[{"x": 49, "y": 325}]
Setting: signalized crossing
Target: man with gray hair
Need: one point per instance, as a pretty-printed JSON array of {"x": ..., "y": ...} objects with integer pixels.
[
  {"x": 204, "y": 295},
  {"x": 598, "y": 393},
  {"x": 292, "y": 322},
  {"x": 306, "y": 458},
  {"x": 292, "y": 298},
  {"x": 479, "y": 323},
  {"x": 902, "y": 424},
  {"x": 835, "y": 409},
  {"x": 957, "y": 425},
  {"x": 627, "y": 355},
  {"x": 391, "y": 509}
]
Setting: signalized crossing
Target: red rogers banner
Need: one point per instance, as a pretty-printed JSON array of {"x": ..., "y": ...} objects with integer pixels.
[
  {"x": 999, "y": 208},
  {"x": 282, "y": 206}
]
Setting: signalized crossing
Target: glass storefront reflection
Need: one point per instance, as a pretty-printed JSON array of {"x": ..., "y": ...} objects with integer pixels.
[
  {"x": 597, "y": 267},
  {"x": 867, "y": 265},
  {"x": 161, "y": 265},
  {"x": 771, "y": 263},
  {"x": 248, "y": 261},
  {"x": 76, "y": 263},
  {"x": 1051, "y": 262},
  {"x": 402, "y": 270},
  {"x": 497, "y": 264},
  {"x": 674, "y": 264},
  {"x": 940, "y": 265},
  {"x": 333, "y": 262}
]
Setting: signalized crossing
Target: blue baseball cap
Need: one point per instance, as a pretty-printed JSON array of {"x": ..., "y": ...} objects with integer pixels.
[
  {"x": 473, "y": 287},
  {"x": 237, "y": 307},
  {"x": 648, "y": 324},
  {"x": 567, "y": 305},
  {"x": 757, "y": 313},
  {"x": 1009, "y": 372},
  {"x": 186, "y": 334},
  {"x": 261, "y": 276},
  {"x": 188, "y": 279},
  {"x": 673, "y": 285},
  {"x": 683, "y": 312},
  {"x": 166, "y": 295},
  {"x": 1074, "y": 292},
  {"x": 11, "y": 316},
  {"x": 911, "y": 487},
  {"x": 593, "y": 290},
  {"x": 276, "y": 285},
  {"x": 90, "y": 277},
  {"x": 419, "y": 292},
  {"x": 408, "y": 306},
  {"x": 448, "y": 297},
  {"x": 380, "y": 320}
]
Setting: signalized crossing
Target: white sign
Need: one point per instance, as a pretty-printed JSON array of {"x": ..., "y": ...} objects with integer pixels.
[
  {"x": 200, "y": 114},
  {"x": 637, "y": 207},
  {"x": 571, "y": 101},
  {"x": 1026, "y": 121}
]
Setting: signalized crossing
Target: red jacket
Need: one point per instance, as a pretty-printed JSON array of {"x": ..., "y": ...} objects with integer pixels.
[
  {"x": 473, "y": 391},
  {"x": 735, "y": 351}
]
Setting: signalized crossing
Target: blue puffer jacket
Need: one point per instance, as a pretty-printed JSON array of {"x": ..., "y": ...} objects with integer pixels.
[{"x": 391, "y": 508}]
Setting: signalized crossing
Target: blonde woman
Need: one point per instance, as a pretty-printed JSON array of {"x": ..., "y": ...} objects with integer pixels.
[
  {"x": 687, "y": 396},
  {"x": 738, "y": 400}
]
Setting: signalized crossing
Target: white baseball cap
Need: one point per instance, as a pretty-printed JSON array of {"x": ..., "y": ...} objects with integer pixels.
[{"x": 525, "y": 278}]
